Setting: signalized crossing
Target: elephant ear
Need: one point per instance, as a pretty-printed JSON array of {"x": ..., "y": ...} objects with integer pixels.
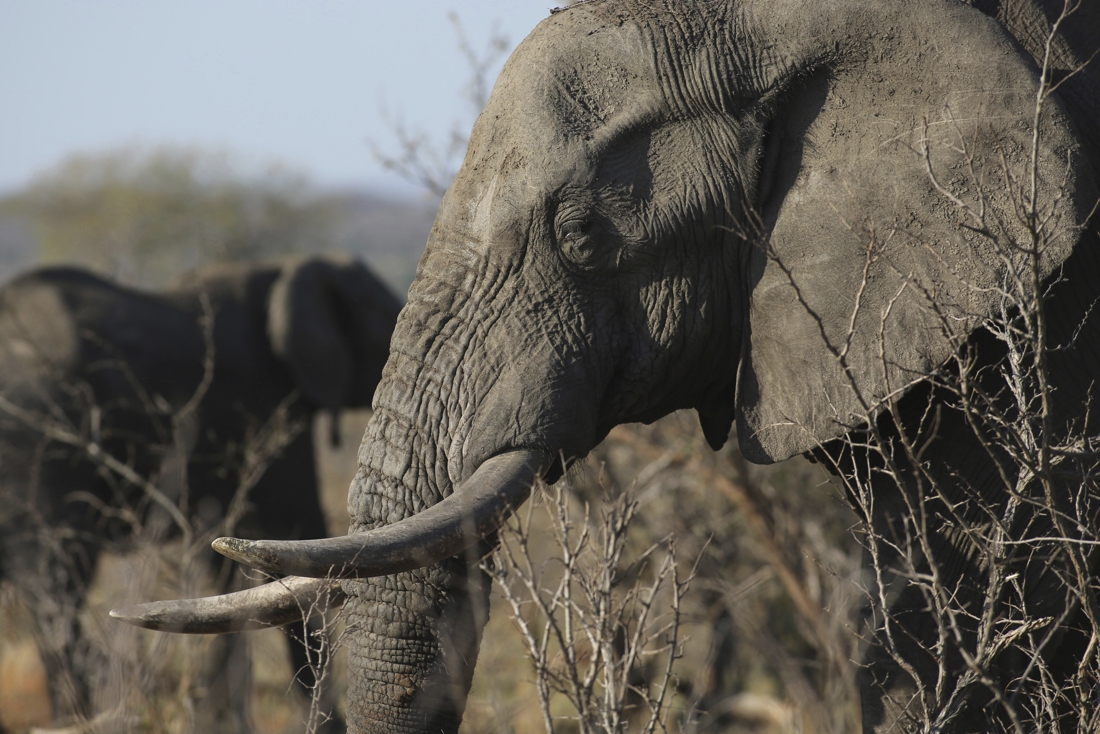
[
  {"x": 909, "y": 106},
  {"x": 330, "y": 321}
]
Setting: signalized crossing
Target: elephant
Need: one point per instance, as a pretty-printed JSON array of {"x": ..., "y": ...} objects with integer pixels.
[
  {"x": 796, "y": 217},
  {"x": 227, "y": 354}
]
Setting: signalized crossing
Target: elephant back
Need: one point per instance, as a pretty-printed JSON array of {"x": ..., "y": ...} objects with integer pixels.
[
  {"x": 248, "y": 377},
  {"x": 325, "y": 321},
  {"x": 66, "y": 331}
]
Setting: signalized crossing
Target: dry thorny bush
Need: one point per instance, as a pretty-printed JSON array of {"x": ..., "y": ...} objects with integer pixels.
[
  {"x": 590, "y": 632},
  {"x": 156, "y": 681},
  {"x": 593, "y": 579}
]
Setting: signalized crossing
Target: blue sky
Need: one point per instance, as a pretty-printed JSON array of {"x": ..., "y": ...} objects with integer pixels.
[{"x": 295, "y": 81}]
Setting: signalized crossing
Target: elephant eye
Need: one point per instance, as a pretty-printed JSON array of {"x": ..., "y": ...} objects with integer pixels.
[
  {"x": 576, "y": 242},
  {"x": 574, "y": 229}
]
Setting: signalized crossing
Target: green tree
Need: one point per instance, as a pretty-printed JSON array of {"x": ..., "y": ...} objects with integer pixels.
[{"x": 143, "y": 214}]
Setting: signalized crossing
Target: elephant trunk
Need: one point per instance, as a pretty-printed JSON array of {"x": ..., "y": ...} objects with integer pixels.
[{"x": 415, "y": 635}]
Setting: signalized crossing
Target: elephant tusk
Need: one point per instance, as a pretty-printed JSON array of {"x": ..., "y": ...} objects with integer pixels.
[
  {"x": 270, "y": 605},
  {"x": 477, "y": 508}
]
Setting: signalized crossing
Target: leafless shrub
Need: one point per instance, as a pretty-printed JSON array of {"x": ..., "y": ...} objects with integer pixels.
[
  {"x": 321, "y": 632},
  {"x": 589, "y": 622},
  {"x": 749, "y": 659},
  {"x": 431, "y": 164},
  {"x": 776, "y": 591}
]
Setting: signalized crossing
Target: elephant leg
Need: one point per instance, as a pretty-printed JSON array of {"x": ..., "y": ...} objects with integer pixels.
[
  {"x": 934, "y": 591},
  {"x": 48, "y": 555},
  {"x": 227, "y": 686},
  {"x": 287, "y": 506},
  {"x": 916, "y": 656},
  {"x": 52, "y": 581},
  {"x": 913, "y": 650},
  {"x": 222, "y": 687}
]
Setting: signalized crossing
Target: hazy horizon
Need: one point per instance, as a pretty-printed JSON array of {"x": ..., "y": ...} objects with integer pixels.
[{"x": 264, "y": 80}]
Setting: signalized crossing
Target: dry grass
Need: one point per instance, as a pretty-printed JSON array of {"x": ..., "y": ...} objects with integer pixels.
[
  {"x": 765, "y": 625},
  {"x": 176, "y": 661}
]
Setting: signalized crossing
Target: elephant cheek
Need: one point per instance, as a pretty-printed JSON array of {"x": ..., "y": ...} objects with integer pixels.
[{"x": 533, "y": 403}]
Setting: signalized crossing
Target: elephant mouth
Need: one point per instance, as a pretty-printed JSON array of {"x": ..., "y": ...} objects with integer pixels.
[{"x": 476, "y": 509}]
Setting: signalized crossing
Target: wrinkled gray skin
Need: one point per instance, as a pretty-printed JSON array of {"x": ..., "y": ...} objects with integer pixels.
[
  {"x": 598, "y": 260},
  {"x": 593, "y": 263},
  {"x": 70, "y": 341}
]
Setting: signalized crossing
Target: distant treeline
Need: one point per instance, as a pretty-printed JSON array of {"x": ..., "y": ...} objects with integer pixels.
[{"x": 142, "y": 214}]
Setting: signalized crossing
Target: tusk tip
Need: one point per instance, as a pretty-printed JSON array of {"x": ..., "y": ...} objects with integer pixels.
[
  {"x": 253, "y": 553},
  {"x": 233, "y": 548},
  {"x": 228, "y": 546},
  {"x": 136, "y": 615}
]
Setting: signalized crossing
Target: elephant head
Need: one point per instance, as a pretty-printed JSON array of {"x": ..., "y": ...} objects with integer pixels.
[
  {"x": 327, "y": 320},
  {"x": 727, "y": 206}
]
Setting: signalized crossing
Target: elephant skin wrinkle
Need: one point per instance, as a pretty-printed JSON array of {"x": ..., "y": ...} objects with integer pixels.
[{"x": 770, "y": 211}]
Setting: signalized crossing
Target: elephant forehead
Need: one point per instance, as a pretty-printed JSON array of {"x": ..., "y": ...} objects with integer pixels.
[
  {"x": 483, "y": 212},
  {"x": 487, "y": 215},
  {"x": 568, "y": 80}
]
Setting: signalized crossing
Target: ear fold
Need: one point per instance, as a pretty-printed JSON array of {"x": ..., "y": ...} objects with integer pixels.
[
  {"x": 861, "y": 242},
  {"x": 330, "y": 321}
]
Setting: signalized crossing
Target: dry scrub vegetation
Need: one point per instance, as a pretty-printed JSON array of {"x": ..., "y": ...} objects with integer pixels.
[
  {"x": 765, "y": 630},
  {"x": 762, "y": 640},
  {"x": 157, "y": 682}
]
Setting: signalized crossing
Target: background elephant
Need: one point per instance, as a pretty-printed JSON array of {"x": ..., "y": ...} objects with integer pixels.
[
  {"x": 801, "y": 218},
  {"x": 117, "y": 404}
]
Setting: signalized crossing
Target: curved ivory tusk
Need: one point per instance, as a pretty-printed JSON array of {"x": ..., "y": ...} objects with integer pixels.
[
  {"x": 270, "y": 605},
  {"x": 476, "y": 508}
]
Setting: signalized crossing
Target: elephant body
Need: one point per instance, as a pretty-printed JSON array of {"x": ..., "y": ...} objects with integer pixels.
[
  {"x": 806, "y": 220},
  {"x": 182, "y": 388}
]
